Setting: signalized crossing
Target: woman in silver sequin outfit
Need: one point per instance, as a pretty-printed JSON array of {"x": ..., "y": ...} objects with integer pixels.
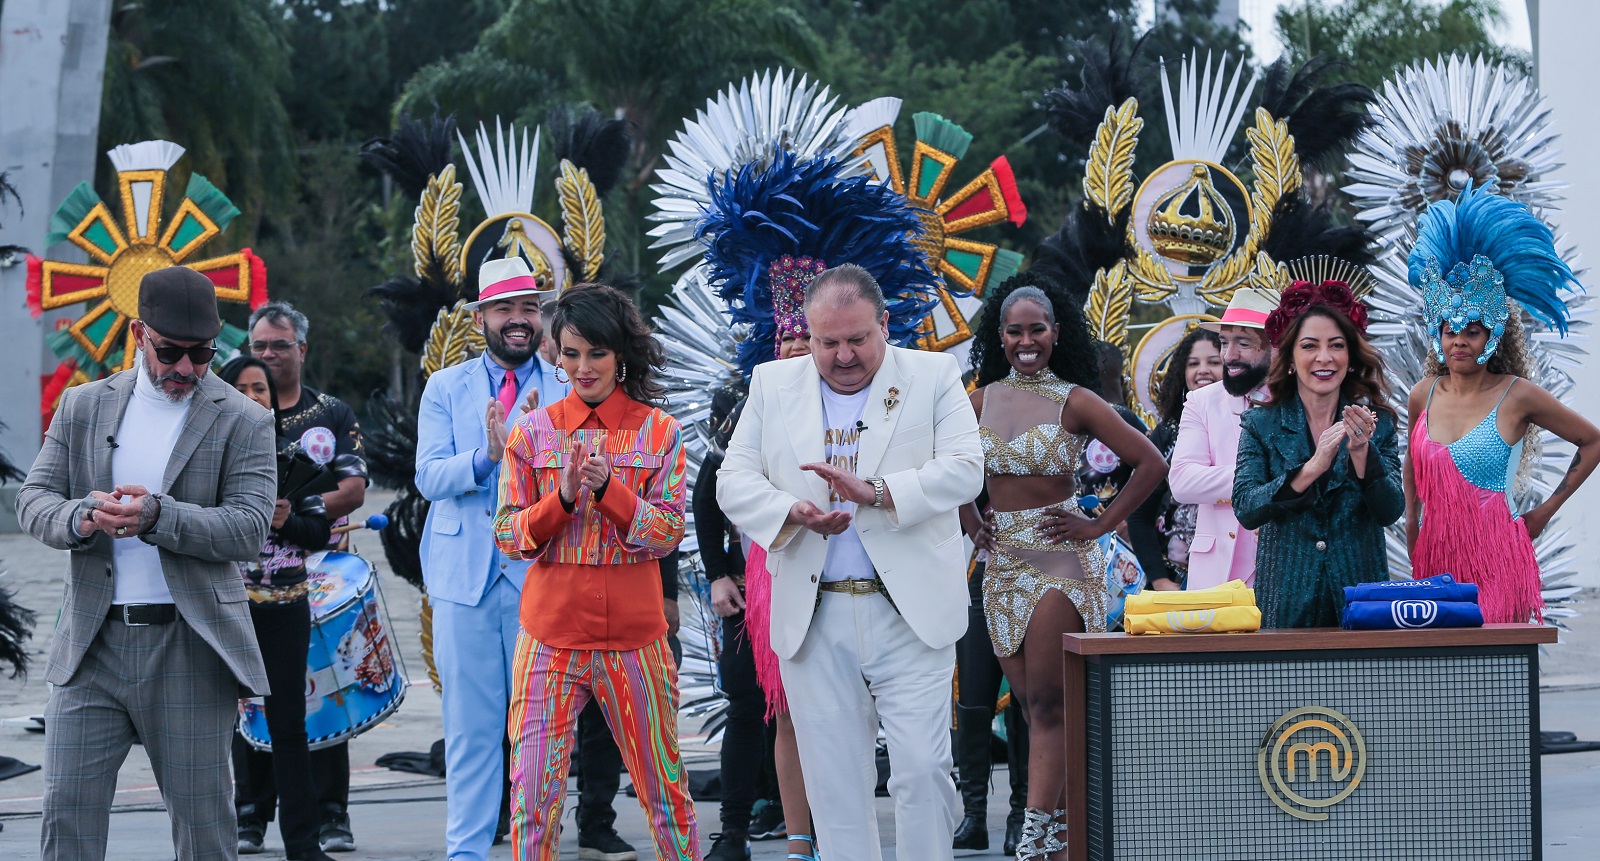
[{"x": 1036, "y": 372}]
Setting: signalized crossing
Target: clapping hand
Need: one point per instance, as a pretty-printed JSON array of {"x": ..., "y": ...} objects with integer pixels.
[
  {"x": 494, "y": 424},
  {"x": 572, "y": 474},
  {"x": 596, "y": 472},
  {"x": 1359, "y": 424},
  {"x": 1327, "y": 448}
]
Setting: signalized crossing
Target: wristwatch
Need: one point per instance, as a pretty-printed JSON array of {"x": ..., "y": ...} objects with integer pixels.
[{"x": 877, "y": 491}]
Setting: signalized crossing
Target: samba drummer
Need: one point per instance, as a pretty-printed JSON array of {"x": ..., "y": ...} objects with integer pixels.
[{"x": 325, "y": 430}]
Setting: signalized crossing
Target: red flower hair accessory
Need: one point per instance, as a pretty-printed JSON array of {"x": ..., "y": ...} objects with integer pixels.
[{"x": 1302, "y": 296}]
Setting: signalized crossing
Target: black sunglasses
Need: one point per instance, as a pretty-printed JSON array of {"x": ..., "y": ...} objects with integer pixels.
[{"x": 170, "y": 355}]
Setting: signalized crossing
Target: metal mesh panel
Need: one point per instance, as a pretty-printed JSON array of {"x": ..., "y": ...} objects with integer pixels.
[{"x": 1447, "y": 758}]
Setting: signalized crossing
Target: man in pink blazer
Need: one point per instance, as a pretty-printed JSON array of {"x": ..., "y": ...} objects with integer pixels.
[{"x": 1208, "y": 444}]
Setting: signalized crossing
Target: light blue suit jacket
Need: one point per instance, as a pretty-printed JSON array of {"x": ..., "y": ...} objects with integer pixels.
[{"x": 459, "y": 558}]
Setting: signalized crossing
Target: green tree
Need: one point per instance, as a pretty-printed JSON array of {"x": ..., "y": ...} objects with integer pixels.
[
  {"x": 1381, "y": 37},
  {"x": 205, "y": 74},
  {"x": 322, "y": 251},
  {"x": 351, "y": 57}
]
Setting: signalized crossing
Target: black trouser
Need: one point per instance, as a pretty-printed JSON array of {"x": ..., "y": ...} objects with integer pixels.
[
  {"x": 744, "y": 739},
  {"x": 284, "y": 634},
  {"x": 978, "y": 678}
]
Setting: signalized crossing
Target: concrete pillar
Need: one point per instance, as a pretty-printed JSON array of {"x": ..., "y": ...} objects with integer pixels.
[
  {"x": 52, "y": 62},
  {"x": 1563, "y": 47}
]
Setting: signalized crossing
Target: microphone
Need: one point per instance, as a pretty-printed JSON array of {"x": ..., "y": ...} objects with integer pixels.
[
  {"x": 860, "y": 425},
  {"x": 112, "y": 441}
]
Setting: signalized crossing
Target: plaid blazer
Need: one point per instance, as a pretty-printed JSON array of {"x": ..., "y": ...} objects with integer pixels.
[{"x": 216, "y": 504}]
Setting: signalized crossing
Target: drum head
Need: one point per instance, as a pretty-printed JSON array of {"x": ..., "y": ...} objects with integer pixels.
[{"x": 335, "y": 580}]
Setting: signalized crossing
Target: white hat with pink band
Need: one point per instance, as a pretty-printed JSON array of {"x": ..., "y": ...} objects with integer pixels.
[
  {"x": 1248, "y": 308},
  {"x": 505, "y": 278}
]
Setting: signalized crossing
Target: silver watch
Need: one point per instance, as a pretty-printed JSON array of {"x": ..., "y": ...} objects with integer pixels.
[{"x": 877, "y": 491}]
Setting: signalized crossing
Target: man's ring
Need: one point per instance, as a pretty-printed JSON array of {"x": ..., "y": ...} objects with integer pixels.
[{"x": 122, "y": 530}]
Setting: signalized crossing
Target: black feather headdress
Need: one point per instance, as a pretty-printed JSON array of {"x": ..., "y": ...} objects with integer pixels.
[
  {"x": 584, "y": 136},
  {"x": 1325, "y": 119},
  {"x": 1107, "y": 80},
  {"x": 1087, "y": 242},
  {"x": 418, "y": 150}
]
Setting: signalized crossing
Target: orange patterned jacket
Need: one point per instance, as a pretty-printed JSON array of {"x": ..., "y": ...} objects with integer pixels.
[{"x": 595, "y": 582}]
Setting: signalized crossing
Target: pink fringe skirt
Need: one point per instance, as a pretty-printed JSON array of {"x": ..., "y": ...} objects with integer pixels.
[
  {"x": 758, "y": 627},
  {"x": 1469, "y": 533}
]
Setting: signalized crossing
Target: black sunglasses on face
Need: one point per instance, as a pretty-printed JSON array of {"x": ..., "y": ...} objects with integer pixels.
[{"x": 170, "y": 355}]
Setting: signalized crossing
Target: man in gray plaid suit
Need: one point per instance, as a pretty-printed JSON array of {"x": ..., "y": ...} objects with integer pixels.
[{"x": 159, "y": 479}]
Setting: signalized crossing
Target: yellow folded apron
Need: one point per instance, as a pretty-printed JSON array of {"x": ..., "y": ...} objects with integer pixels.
[
  {"x": 1230, "y": 594},
  {"x": 1208, "y": 620}
]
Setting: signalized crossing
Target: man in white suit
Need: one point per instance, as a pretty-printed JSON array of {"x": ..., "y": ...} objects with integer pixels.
[{"x": 848, "y": 466}]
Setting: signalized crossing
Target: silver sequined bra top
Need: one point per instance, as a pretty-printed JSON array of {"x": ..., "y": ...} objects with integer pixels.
[{"x": 1020, "y": 428}]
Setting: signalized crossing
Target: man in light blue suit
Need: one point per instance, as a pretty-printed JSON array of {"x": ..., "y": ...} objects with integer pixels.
[{"x": 466, "y": 412}]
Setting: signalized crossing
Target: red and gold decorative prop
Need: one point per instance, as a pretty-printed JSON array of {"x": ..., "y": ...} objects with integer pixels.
[
  {"x": 123, "y": 246},
  {"x": 966, "y": 267}
]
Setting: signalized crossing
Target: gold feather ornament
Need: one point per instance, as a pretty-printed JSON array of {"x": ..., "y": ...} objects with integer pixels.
[{"x": 583, "y": 223}]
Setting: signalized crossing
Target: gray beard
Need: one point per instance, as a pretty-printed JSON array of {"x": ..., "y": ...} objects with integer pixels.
[{"x": 157, "y": 379}]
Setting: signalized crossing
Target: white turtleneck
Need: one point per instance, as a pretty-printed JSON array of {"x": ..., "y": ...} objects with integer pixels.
[{"x": 145, "y": 439}]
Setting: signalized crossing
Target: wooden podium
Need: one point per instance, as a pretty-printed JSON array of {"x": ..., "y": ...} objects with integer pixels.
[{"x": 1290, "y": 744}]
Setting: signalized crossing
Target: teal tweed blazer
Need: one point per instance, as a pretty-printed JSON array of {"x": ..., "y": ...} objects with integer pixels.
[{"x": 1311, "y": 545}]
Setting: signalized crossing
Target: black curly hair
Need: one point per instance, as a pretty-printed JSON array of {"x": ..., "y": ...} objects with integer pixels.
[
  {"x": 1073, "y": 358},
  {"x": 1174, "y": 386},
  {"x": 606, "y": 317}
]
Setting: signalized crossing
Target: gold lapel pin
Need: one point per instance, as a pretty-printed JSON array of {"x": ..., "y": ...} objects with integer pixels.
[{"x": 892, "y": 400}]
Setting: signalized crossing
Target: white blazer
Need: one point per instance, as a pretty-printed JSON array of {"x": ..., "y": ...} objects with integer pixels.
[{"x": 926, "y": 449}]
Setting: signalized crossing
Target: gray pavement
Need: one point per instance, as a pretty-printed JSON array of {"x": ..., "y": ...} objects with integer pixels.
[{"x": 400, "y": 816}]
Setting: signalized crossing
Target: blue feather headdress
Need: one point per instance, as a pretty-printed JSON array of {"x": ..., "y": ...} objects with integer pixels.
[
  {"x": 786, "y": 207},
  {"x": 1475, "y": 253}
]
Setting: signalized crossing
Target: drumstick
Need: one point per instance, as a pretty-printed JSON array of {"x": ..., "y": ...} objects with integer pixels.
[{"x": 376, "y": 521}]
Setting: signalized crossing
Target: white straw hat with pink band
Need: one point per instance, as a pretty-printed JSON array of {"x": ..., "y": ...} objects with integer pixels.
[
  {"x": 1248, "y": 308},
  {"x": 505, "y": 278}
]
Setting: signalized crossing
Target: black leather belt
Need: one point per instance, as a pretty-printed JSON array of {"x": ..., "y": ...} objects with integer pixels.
[{"x": 138, "y": 615}]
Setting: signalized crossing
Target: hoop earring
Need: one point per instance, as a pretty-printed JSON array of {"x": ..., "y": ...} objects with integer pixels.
[
  {"x": 622, "y": 374},
  {"x": 561, "y": 375}
]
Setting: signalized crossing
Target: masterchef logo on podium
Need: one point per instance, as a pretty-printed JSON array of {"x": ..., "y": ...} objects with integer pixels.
[
  {"x": 1414, "y": 613},
  {"x": 1311, "y": 759}
]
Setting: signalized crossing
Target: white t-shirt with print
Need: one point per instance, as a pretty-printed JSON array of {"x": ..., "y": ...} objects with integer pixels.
[{"x": 841, "y": 442}]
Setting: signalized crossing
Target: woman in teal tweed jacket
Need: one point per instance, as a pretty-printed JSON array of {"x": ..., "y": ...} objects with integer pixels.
[{"x": 1319, "y": 473}]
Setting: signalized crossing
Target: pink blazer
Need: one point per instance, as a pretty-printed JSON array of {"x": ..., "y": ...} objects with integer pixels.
[{"x": 1202, "y": 474}]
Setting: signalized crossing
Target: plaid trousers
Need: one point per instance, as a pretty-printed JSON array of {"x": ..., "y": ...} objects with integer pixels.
[
  {"x": 639, "y": 699},
  {"x": 163, "y": 685}
]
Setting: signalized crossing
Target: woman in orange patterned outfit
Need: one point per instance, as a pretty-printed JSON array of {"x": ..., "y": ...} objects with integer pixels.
[{"x": 593, "y": 492}]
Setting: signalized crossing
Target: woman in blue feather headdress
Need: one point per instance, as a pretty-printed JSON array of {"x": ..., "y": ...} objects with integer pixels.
[{"x": 1480, "y": 261}]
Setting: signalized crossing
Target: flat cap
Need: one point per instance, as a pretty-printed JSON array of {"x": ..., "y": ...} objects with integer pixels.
[{"x": 179, "y": 303}]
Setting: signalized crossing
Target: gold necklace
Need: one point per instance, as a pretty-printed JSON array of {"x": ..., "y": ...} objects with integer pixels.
[{"x": 1045, "y": 384}]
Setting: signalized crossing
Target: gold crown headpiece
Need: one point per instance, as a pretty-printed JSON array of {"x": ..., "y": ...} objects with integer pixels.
[{"x": 1193, "y": 223}]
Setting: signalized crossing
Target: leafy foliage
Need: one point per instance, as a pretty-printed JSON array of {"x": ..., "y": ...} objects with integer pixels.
[{"x": 1380, "y": 37}]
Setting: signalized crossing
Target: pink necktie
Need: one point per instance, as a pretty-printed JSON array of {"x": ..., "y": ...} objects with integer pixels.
[{"x": 508, "y": 393}]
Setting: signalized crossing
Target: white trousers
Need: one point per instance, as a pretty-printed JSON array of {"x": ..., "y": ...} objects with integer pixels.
[{"x": 861, "y": 664}]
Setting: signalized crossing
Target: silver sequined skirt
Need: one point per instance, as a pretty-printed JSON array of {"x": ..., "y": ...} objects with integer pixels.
[{"x": 1025, "y": 565}]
